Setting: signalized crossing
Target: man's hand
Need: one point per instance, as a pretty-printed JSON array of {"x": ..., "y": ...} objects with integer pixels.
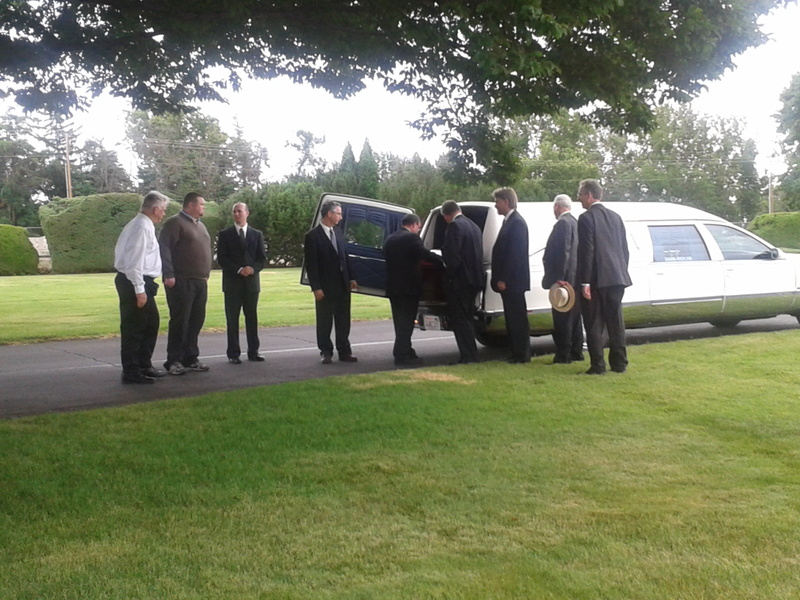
[
  {"x": 501, "y": 286},
  {"x": 246, "y": 271},
  {"x": 318, "y": 295},
  {"x": 169, "y": 282},
  {"x": 587, "y": 291},
  {"x": 141, "y": 299},
  {"x": 353, "y": 285}
]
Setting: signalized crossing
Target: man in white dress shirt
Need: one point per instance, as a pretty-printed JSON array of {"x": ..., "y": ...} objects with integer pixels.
[{"x": 138, "y": 262}]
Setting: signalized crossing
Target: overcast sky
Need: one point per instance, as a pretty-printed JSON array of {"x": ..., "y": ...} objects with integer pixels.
[{"x": 271, "y": 112}]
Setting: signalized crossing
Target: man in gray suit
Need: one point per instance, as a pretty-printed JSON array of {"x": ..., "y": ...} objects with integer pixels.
[
  {"x": 561, "y": 265},
  {"x": 603, "y": 276}
]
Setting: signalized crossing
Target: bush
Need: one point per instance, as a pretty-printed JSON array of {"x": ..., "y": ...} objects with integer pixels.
[
  {"x": 17, "y": 254},
  {"x": 780, "y": 229},
  {"x": 82, "y": 232}
]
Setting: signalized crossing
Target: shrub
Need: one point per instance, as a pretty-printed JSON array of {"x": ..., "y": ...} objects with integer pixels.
[
  {"x": 780, "y": 229},
  {"x": 17, "y": 254},
  {"x": 82, "y": 232}
]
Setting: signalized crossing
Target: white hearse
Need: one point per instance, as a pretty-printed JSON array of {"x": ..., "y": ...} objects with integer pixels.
[{"x": 687, "y": 266}]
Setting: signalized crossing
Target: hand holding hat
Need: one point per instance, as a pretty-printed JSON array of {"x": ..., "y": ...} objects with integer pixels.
[{"x": 562, "y": 296}]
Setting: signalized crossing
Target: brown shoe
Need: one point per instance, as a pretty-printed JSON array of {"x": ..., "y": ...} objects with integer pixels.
[
  {"x": 347, "y": 358},
  {"x": 326, "y": 359}
]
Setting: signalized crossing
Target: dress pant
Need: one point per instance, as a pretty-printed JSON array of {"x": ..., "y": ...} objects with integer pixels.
[
  {"x": 333, "y": 310},
  {"x": 236, "y": 303},
  {"x": 138, "y": 327},
  {"x": 600, "y": 314},
  {"x": 568, "y": 334},
  {"x": 404, "y": 313},
  {"x": 461, "y": 311},
  {"x": 187, "y": 313},
  {"x": 515, "y": 311}
]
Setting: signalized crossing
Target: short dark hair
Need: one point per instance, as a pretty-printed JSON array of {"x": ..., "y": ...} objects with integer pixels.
[
  {"x": 507, "y": 194},
  {"x": 327, "y": 207},
  {"x": 191, "y": 198},
  {"x": 450, "y": 207},
  {"x": 410, "y": 219},
  {"x": 593, "y": 187}
]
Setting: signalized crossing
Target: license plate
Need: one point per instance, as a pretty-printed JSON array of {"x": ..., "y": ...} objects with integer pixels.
[{"x": 432, "y": 322}]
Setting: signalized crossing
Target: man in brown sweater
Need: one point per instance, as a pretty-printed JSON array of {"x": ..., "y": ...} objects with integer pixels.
[{"x": 186, "y": 264}]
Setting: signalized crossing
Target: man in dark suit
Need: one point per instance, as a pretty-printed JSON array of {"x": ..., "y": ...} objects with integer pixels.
[
  {"x": 511, "y": 274},
  {"x": 404, "y": 252},
  {"x": 464, "y": 278},
  {"x": 561, "y": 266},
  {"x": 603, "y": 275},
  {"x": 328, "y": 271},
  {"x": 241, "y": 255}
]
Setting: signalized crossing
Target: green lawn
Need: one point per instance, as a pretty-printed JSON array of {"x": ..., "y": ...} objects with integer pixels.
[
  {"x": 51, "y": 307},
  {"x": 678, "y": 480}
]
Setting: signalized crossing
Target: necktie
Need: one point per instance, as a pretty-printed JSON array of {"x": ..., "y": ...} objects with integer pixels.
[
  {"x": 333, "y": 241},
  {"x": 241, "y": 235}
]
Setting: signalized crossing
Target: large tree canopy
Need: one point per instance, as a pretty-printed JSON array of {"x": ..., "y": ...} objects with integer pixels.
[{"x": 471, "y": 61}]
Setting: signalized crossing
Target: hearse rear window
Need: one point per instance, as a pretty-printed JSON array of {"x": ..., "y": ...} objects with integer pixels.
[
  {"x": 736, "y": 245},
  {"x": 677, "y": 243}
]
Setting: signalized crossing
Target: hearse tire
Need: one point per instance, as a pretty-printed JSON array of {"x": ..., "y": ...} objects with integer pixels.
[{"x": 725, "y": 323}]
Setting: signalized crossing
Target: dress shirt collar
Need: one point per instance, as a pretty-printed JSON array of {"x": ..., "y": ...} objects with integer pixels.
[
  {"x": 188, "y": 216},
  {"x": 243, "y": 228}
]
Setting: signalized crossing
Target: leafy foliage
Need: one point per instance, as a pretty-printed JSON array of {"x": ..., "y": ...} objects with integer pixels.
[
  {"x": 781, "y": 229},
  {"x": 789, "y": 124},
  {"x": 474, "y": 63},
  {"x": 188, "y": 152},
  {"x": 82, "y": 232},
  {"x": 17, "y": 254}
]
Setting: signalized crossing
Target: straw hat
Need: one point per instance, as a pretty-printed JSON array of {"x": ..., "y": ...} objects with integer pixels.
[{"x": 562, "y": 297}]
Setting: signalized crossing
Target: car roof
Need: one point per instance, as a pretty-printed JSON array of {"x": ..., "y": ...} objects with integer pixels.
[{"x": 629, "y": 211}]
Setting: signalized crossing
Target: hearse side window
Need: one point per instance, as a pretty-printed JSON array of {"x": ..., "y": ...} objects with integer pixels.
[
  {"x": 736, "y": 245},
  {"x": 365, "y": 227},
  {"x": 677, "y": 243}
]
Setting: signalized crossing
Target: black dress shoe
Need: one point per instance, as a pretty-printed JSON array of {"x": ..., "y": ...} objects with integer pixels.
[
  {"x": 136, "y": 378},
  {"x": 326, "y": 359},
  {"x": 255, "y": 357},
  {"x": 347, "y": 358},
  {"x": 235, "y": 360},
  {"x": 154, "y": 373},
  {"x": 408, "y": 362},
  {"x": 577, "y": 358},
  {"x": 561, "y": 361},
  {"x": 593, "y": 371},
  {"x": 619, "y": 370}
]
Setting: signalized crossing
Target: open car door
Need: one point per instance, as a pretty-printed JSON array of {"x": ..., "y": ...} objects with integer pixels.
[{"x": 365, "y": 224}]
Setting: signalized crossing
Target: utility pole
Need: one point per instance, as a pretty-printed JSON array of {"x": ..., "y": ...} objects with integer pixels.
[
  {"x": 769, "y": 178},
  {"x": 67, "y": 170}
]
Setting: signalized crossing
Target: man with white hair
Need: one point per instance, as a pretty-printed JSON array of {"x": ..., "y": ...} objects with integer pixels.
[
  {"x": 138, "y": 262},
  {"x": 560, "y": 266}
]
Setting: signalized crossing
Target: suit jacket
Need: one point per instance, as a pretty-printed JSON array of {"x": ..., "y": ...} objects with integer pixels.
[
  {"x": 327, "y": 269},
  {"x": 404, "y": 251},
  {"x": 602, "y": 248},
  {"x": 232, "y": 255},
  {"x": 510, "y": 255},
  {"x": 561, "y": 252},
  {"x": 462, "y": 252}
]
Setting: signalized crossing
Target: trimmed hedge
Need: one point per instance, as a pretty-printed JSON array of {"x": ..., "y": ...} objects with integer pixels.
[
  {"x": 780, "y": 229},
  {"x": 17, "y": 254},
  {"x": 82, "y": 232}
]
